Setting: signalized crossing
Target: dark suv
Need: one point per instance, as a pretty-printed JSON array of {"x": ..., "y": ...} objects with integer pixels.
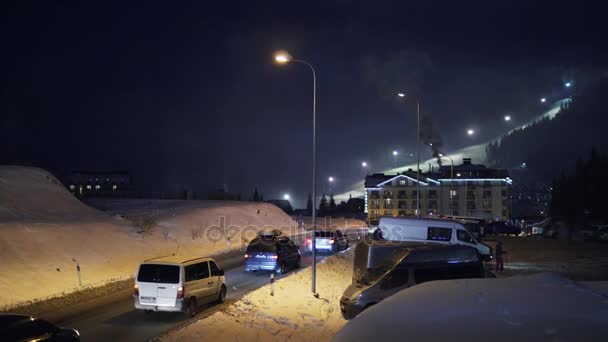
[
  {"x": 14, "y": 327},
  {"x": 272, "y": 253}
]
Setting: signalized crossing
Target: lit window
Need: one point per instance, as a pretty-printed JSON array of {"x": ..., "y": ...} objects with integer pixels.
[
  {"x": 88, "y": 187},
  {"x": 97, "y": 187},
  {"x": 402, "y": 182},
  {"x": 72, "y": 187},
  {"x": 453, "y": 193},
  {"x": 114, "y": 187}
]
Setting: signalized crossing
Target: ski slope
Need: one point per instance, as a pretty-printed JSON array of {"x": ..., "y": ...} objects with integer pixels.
[{"x": 476, "y": 152}]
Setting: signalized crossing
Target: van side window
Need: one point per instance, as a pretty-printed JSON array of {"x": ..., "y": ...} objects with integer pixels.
[
  {"x": 463, "y": 236},
  {"x": 439, "y": 234},
  {"x": 190, "y": 272},
  {"x": 399, "y": 277},
  {"x": 202, "y": 270},
  {"x": 215, "y": 271}
]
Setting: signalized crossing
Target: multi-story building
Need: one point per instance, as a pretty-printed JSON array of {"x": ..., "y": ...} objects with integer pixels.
[{"x": 474, "y": 190}]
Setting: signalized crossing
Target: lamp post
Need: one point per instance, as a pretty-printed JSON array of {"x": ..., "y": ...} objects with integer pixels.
[
  {"x": 451, "y": 181},
  {"x": 284, "y": 58},
  {"x": 418, "y": 151},
  {"x": 395, "y": 154}
]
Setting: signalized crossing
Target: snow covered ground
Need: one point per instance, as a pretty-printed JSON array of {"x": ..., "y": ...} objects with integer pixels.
[
  {"x": 45, "y": 231},
  {"x": 292, "y": 314},
  {"x": 541, "y": 307}
]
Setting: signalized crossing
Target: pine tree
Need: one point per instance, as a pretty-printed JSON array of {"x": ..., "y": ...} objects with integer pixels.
[
  {"x": 332, "y": 205},
  {"x": 309, "y": 204},
  {"x": 323, "y": 206}
]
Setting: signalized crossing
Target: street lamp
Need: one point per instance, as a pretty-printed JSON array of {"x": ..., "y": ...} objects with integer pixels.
[
  {"x": 330, "y": 179},
  {"x": 395, "y": 154},
  {"x": 418, "y": 150},
  {"x": 286, "y": 197},
  {"x": 507, "y": 117},
  {"x": 470, "y": 132},
  {"x": 568, "y": 84},
  {"x": 364, "y": 164},
  {"x": 451, "y": 181},
  {"x": 543, "y": 100},
  {"x": 283, "y": 57}
]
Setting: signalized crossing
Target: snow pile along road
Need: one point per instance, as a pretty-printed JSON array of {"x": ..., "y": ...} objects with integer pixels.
[
  {"x": 45, "y": 232},
  {"x": 292, "y": 314},
  {"x": 541, "y": 307}
]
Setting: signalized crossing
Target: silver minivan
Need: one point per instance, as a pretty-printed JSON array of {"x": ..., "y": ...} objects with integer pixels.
[
  {"x": 178, "y": 284},
  {"x": 383, "y": 268}
]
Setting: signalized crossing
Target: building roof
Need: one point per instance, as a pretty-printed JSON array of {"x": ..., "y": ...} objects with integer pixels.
[{"x": 466, "y": 170}]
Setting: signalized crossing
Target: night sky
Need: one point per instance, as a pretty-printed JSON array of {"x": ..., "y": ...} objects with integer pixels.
[{"x": 187, "y": 95}]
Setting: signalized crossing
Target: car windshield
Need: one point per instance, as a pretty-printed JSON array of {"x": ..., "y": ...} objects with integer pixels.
[{"x": 158, "y": 273}]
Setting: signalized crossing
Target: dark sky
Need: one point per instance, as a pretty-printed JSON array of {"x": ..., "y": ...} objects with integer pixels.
[{"x": 186, "y": 95}]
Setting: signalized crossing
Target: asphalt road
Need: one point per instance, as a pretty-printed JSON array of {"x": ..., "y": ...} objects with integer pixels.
[{"x": 115, "y": 319}]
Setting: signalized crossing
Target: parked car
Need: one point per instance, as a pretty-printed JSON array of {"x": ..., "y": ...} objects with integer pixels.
[
  {"x": 502, "y": 228},
  {"x": 178, "y": 284},
  {"x": 383, "y": 268},
  {"x": 272, "y": 253},
  {"x": 328, "y": 241},
  {"x": 15, "y": 327},
  {"x": 431, "y": 230}
]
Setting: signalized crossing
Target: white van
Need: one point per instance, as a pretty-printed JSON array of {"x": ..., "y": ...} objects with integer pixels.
[
  {"x": 431, "y": 230},
  {"x": 178, "y": 284}
]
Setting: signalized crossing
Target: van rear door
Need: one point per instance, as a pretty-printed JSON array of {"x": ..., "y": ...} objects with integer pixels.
[{"x": 158, "y": 284}]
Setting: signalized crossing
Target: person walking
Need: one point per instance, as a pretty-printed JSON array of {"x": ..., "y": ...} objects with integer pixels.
[{"x": 499, "y": 257}]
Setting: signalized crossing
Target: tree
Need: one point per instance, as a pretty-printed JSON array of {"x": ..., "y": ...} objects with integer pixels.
[
  {"x": 332, "y": 205},
  {"x": 309, "y": 205},
  {"x": 323, "y": 206},
  {"x": 256, "y": 195}
]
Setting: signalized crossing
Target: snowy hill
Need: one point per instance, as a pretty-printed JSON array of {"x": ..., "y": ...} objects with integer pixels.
[
  {"x": 28, "y": 193},
  {"x": 44, "y": 231}
]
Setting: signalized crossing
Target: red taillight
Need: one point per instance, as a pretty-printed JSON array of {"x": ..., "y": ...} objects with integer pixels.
[
  {"x": 308, "y": 241},
  {"x": 274, "y": 257},
  {"x": 246, "y": 256},
  {"x": 180, "y": 292},
  {"x": 332, "y": 241},
  {"x": 135, "y": 290}
]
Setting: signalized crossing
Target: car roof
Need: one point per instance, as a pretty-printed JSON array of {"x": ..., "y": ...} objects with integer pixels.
[
  {"x": 8, "y": 319},
  {"x": 173, "y": 260}
]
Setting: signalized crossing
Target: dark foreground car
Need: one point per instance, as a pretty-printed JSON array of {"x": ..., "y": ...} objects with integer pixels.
[
  {"x": 14, "y": 327},
  {"x": 272, "y": 253}
]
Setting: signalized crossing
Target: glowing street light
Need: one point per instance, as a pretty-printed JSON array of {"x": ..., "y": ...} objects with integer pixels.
[
  {"x": 283, "y": 57},
  {"x": 507, "y": 117},
  {"x": 286, "y": 197},
  {"x": 364, "y": 164},
  {"x": 470, "y": 132},
  {"x": 543, "y": 100},
  {"x": 395, "y": 154},
  {"x": 568, "y": 84},
  {"x": 330, "y": 179}
]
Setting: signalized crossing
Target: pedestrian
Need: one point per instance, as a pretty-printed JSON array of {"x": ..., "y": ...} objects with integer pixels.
[{"x": 500, "y": 263}]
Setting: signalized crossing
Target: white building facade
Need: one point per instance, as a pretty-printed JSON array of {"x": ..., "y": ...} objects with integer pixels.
[{"x": 473, "y": 191}]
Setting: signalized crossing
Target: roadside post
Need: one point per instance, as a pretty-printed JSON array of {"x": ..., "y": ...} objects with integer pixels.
[
  {"x": 272, "y": 284},
  {"x": 78, "y": 271}
]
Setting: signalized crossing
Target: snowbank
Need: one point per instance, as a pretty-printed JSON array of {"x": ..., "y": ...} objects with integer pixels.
[
  {"x": 541, "y": 307},
  {"x": 292, "y": 314},
  {"x": 44, "y": 231}
]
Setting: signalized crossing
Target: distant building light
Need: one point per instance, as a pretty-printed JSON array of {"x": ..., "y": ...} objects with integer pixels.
[
  {"x": 458, "y": 174},
  {"x": 114, "y": 187},
  {"x": 543, "y": 100},
  {"x": 72, "y": 187},
  {"x": 88, "y": 187},
  {"x": 568, "y": 84},
  {"x": 97, "y": 187}
]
